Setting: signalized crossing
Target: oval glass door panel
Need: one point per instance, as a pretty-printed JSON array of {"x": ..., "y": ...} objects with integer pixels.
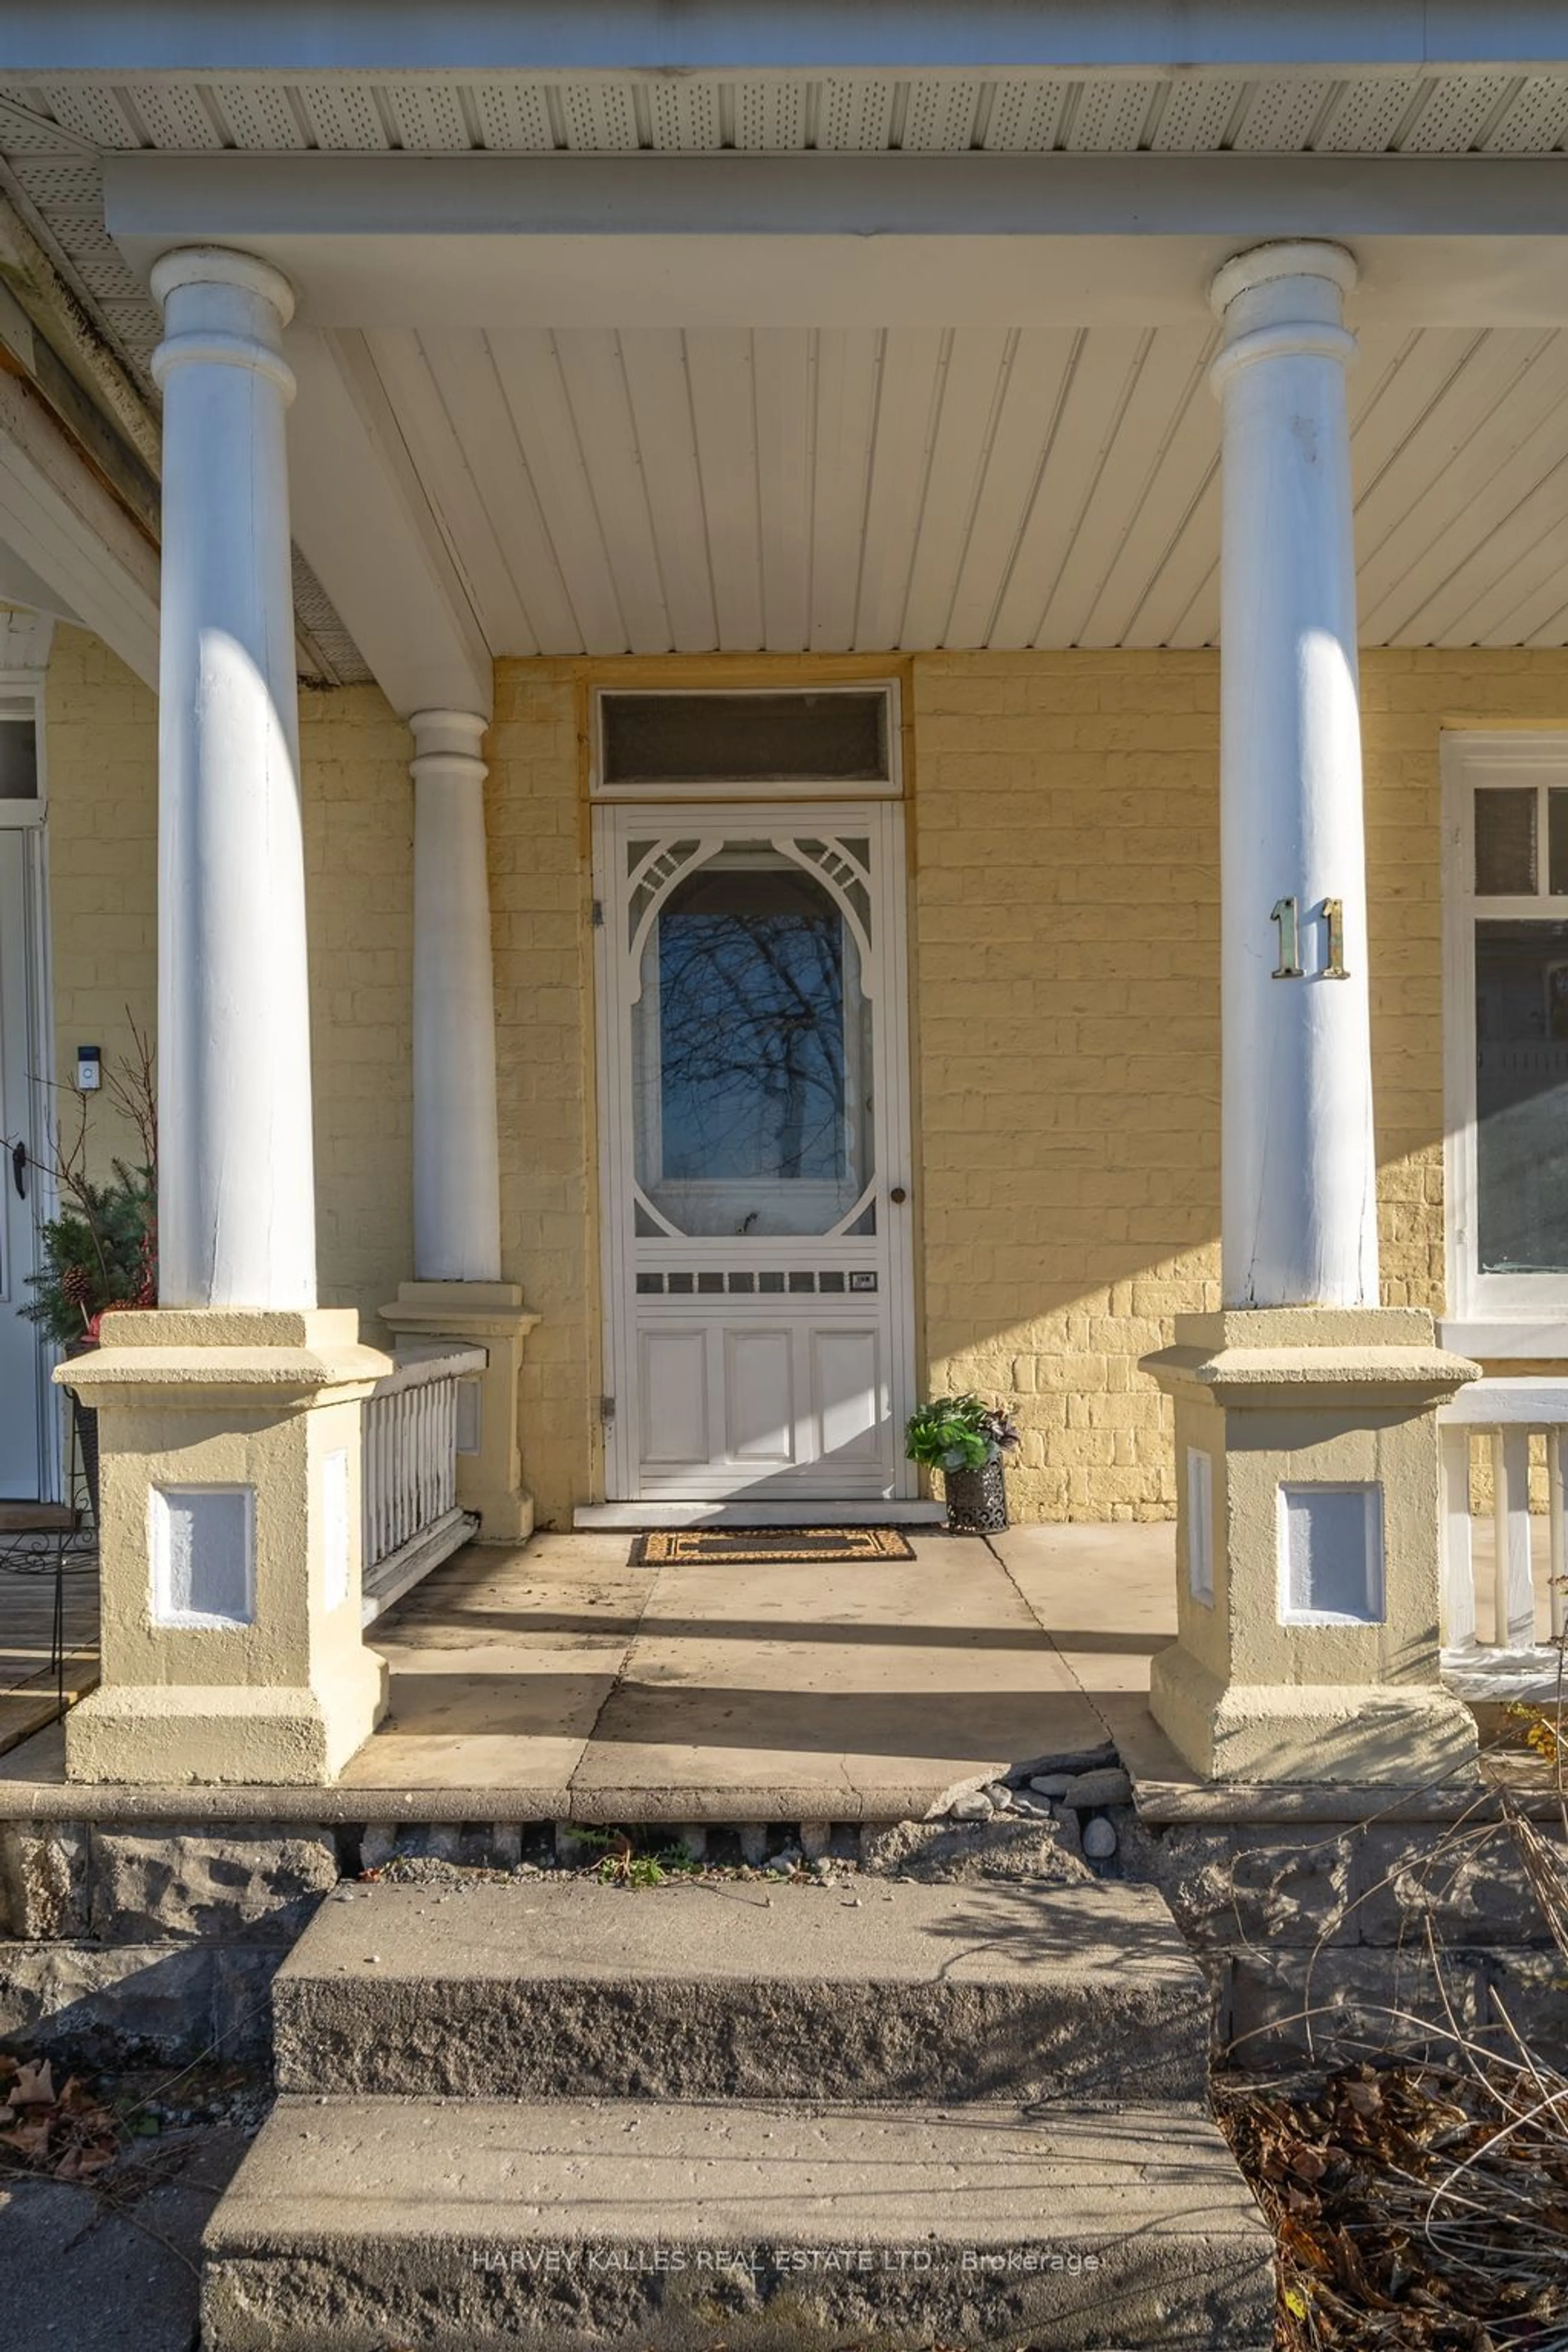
[{"x": 752, "y": 1058}]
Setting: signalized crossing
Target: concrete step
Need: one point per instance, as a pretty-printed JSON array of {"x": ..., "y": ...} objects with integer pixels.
[
  {"x": 864, "y": 1991},
  {"x": 683, "y": 2228}
]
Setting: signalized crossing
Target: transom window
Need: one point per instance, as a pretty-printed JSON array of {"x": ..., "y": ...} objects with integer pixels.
[
  {"x": 668, "y": 744},
  {"x": 1506, "y": 1018}
]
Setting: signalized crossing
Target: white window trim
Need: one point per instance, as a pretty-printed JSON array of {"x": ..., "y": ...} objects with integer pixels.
[
  {"x": 26, "y": 686},
  {"x": 28, "y": 817},
  {"x": 1488, "y": 1314}
]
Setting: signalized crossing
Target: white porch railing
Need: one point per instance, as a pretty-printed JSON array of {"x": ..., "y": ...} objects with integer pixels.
[
  {"x": 411, "y": 1434},
  {"x": 1510, "y": 1659}
]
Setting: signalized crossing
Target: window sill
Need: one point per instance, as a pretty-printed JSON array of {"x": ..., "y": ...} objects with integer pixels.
[{"x": 1507, "y": 1340}]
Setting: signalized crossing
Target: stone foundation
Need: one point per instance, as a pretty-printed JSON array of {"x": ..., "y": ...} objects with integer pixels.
[
  {"x": 1315, "y": 1939},
  {"x": 160, "y": 1939},
  {"x": 151, "y": 1940}
]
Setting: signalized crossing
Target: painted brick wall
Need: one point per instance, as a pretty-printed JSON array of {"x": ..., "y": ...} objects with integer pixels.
[
  {"x": 541, "y": 896},
  {"x": 102, "y": 750},
  {"x": 1065, "y": 917},
  {"x": 1066, "y": 898}
]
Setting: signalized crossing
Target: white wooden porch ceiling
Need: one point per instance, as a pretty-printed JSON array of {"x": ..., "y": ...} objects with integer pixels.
[{"x": 657, "y": 490}]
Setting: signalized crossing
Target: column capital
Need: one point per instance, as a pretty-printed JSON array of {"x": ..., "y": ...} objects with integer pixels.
[
  {"x": 1282, "y": 301},
  {"x": 454, "y": 738},
  {"x": 1285, "y": 257},
  {"x": 221, "y": 265},
  {"x": 239, "y": 324}
]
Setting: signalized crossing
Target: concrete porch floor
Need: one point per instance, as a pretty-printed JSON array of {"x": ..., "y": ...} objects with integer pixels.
[
  {"x": 555, "y": 1682},
  {"x": 843, "y": 1692}
]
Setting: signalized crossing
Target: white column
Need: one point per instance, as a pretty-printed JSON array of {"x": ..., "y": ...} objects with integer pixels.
[
  {"x": 1300, "y": 1223},
  {"x": 236, "y": 1198},
  {"x": 457, "y": 1183}
]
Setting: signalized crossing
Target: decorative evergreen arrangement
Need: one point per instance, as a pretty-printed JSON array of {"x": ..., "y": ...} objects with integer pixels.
[{"x": 100, "y": 1250}]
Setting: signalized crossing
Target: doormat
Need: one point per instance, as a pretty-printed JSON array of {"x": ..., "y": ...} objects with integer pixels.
[{"x": 767, "y": 1547}]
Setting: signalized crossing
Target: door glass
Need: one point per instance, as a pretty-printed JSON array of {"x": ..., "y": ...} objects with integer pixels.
[{"x": 752, "y": 1050}]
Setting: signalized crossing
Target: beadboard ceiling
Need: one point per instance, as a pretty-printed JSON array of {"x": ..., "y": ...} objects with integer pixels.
[
  {"x": 652, "y": 488},
  {"x": 660, "y": 489}
]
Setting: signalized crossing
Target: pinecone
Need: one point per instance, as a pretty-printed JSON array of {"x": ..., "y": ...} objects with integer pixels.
[{"x": 76, "y": 1284}]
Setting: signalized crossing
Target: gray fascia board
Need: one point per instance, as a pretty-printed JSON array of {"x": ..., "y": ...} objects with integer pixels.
[
  {"x": 155, "y": 201},
  {"x": 381, "y": 36}
]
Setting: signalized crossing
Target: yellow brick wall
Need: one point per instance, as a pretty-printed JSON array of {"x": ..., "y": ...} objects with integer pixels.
[
  {"x": 102, "y": 753},
  {"x": 1066, "y": 915},
  {"x": 541, "y": 898},
  {"x": 1066, "y": 912},
  {"x": 1064, "y": 906}
]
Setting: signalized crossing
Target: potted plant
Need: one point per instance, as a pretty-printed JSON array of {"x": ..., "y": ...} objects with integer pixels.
[
  {"x": 100, "y": 1249},
  {"x": 968, "y": 1441}
]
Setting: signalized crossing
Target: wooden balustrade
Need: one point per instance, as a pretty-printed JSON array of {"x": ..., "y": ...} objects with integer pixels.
[
  {"x": 1494, "y": 1642},
  {"x": 412, "y": 1433}
]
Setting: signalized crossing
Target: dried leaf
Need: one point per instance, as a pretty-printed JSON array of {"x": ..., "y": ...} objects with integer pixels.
[{"x": 34, "y": 2085}]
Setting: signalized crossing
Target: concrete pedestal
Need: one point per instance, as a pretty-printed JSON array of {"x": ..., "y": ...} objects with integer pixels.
[
  {"x": 490, "y": 1315},
  {"x": 230, "y": 1549},
  {"x": 1308, "y": 1549}
]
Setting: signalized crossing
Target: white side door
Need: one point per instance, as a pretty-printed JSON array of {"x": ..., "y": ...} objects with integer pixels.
[
  {"x": 754, "y": 1108},
  {"x": 24, "y": 1467}
]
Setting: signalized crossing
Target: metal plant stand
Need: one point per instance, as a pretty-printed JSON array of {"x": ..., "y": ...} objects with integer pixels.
[{"x": 977, "y": 1499}]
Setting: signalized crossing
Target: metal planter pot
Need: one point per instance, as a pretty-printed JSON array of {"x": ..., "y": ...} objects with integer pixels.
[
  {"x": 977, "y": 1499},
  {"x": 86, "y": 1419}
]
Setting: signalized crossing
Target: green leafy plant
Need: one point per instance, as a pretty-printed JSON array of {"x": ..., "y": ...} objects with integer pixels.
[
  {"x": 622, "y": 1866},
  {"x": 962, "y": 1433}
]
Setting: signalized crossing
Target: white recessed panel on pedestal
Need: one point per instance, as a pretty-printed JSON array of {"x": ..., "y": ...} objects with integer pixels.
[
  {"x": 203, "y": 1541},
  {"x": 470, "y": 1417},
  {"x": 1331, "y": 1555},
  {"x": 336, "y": 1527},
  {"x": 1200, "y": 1526}
]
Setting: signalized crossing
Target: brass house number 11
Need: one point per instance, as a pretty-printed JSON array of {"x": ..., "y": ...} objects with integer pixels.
[{"x": 1284, "y": 912}]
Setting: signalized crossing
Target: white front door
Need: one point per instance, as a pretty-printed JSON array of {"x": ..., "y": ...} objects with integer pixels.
[
  {"x": 754, "y": 1098},
  {"x": 23, "y": 1471}
]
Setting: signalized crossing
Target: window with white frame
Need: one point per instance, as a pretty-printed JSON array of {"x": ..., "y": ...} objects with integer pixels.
[
  {"x": 21, "y": 798},
  {"x": 1506, "y": 1022}
]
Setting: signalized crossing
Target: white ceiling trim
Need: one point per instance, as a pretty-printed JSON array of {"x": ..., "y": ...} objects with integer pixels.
[
  {"x": 71, "y": 537},
  {"x": 363, "y": 520}
]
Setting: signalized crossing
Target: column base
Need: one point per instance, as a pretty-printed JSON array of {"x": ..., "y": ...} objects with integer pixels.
[
  {"x": 1307, "y": 1550},
  {"x": 230, "y": 1551},
  {"x": 215, "y": 1734},
  {"x": 1313, "y": 1734},
  {"x": 490, "y": 1315}
]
